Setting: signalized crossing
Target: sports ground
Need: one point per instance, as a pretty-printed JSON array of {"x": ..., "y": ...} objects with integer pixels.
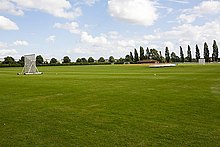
[{"x": 112, "y": 105}]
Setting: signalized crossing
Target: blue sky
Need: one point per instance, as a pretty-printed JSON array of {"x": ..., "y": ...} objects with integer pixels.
[{"x": 84, "y": 28}]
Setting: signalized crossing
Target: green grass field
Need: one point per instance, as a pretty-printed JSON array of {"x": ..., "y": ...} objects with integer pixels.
[{"x": 111, "y": 106}]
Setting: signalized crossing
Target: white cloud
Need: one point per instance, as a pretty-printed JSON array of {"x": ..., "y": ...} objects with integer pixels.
[
  {"x": 169, "y": 44},
  {"x": 72, "y": 27},
  {"x": 204, "y": 8},
  {"x": 141, "y": 12},
  {"x": 113, "y": 35},
  {"x": 186, "y": 34},
  {"x": 95, "y": 41},
  {"x": 21, "y": 43},
  {"x": 188, "y": 18},
  {"x": 3, "y": 45},
  {"x": 90, "y": 2},
  {"x": 180, "y": 1},
  {"x": 58, "y": 8},
  {"x": 51, "y": 38},
  {"x": 152, "y": 37},
  {"x": 8, "y": 52},
  {"x": 7, "y": 24},
  {"x": 126, "y": 43},
  {"x": 8, "y": 7},
  {"x": 5, "y": 50}
]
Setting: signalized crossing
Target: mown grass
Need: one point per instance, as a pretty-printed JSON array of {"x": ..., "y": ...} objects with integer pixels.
[{"x": 111, "y": 106}]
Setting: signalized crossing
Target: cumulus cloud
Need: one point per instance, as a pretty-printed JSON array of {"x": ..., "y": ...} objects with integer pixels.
[
  {"x": 151, "y": 37},
  {"x": 180, "y": 1},
  {"x": 5, "y": 50},
  {"x": 90, "y": 2},
  {"x": 72, "y": 27},
  {"x": 8, "y": 52},
  {"x": 204, "y": 8},
  {"x": 7, "y": 24},
  {"x": 21, "y": 43},
  {"x": 58, "y": 8},
  {"x": 51, "y": 38},
  {"x": 9, "y": 7},
  {"x": 186, "y": 34},
  {"x": 3, "y": 45},
  {"x": 126, "y": 43},
  {"x": 169, "y": 44},
  {"x": 141, "y": 12},
  {"x": 95, "y": 41},
  {"x": 113, "y": 35}
]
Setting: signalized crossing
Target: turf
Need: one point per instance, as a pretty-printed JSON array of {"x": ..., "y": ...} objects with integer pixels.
[{"x": 111, "y": 106}]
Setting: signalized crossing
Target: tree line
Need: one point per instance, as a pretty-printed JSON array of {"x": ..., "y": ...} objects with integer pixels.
[
  {"x": 148, "y": 54},
  {"x": 153, "y": 54}
]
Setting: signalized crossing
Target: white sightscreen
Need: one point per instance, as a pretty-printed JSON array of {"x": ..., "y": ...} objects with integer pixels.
[
  {"x": 201, "y": 61},
  {"x": 30, "y": 64}
]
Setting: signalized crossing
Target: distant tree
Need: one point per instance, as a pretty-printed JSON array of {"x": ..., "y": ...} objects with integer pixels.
[
  {"x": 53, "y": 61},
  {"x": 215, "y": 52},
  {"x": 141, "y": 53},
  {"x": 91, "y": 60},
  {"x": 189, "y": 54},
  {"x": 8, "y": 60},
  {"x": 83, "y": 60},
  {"x": 131, "y": 56},
  {"x": 39, "y": 60},
  {"x": 127, "y": 58},
  {"x": 181, "y": 55},
  {"x": 147, "y": 56},
  {"x": 66, "y": 59},
  {"x": 101, "y": 59},
  {"x": 167, "y": 55},
  {"x": 206, "y": 52},
  {"x": 21, "y": 61},
  {"x": 121, "y": 60},
  {"x": 197, "y": 53},
  {"x": 161, "y": 57},
  {"x": 154, "y": 54},
  {"x": 136, "y": 56},
  {"x": 78, "y": 60},
  {"x": 174, "y": 57},
  {"x": 111, "y": 59}
]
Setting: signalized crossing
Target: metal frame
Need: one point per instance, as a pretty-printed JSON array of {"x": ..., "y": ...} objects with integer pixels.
[{"x": 30, "y": 67}]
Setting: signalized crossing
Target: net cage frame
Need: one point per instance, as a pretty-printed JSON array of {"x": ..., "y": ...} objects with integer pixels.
[{"x": 30, "y": 65}]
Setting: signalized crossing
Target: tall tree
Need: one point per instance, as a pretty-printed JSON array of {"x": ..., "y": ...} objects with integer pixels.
[
  {"x": 161, "y": 57},
  {"x": 167, "y": 55},
  {"x": 39, "y": 60},
  {"x": 111, "y": 59},
  {"x": 154, "y": 54},
  {"x": 53, "y": 61},
  {"x": 84, "y": 60},
  {"x": 66, "y": 59},
  {"x": 189, "y": 54},
  {"x": 206, "y": 52},
  {"x": 173, "y": 57},
  {"x": 141, "y": 53},
  {"x": 121, "y": 60},
  {"x": 127, "y": 58},
  {"x": 197, "y": 53},
  {"x": 131, "y": 56},
  {"x": 78, "y": 60},
  {"x": 181, "y": 55},
  {"x": 147, "y": 56},
  {"x": 136, "y": 56},
  {"x": 21, "y": 61},
  {"x": 215, "y": 51},
  {"x": 8, "y": 60},
  {"x": 91, "y": 60},
  {"x": 101, "y": 59}
]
